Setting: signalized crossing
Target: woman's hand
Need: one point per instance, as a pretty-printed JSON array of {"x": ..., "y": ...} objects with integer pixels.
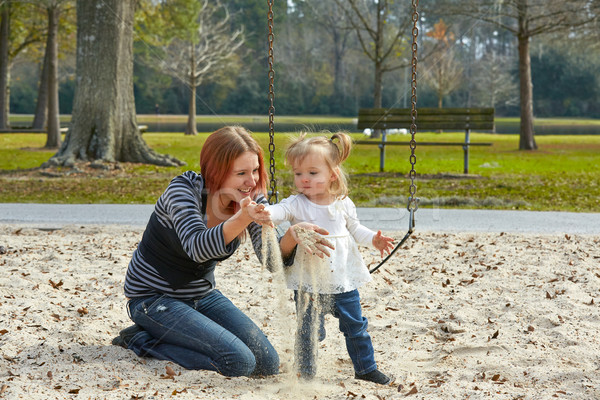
[
  {"x": 256, "y": 212},
  {"x": 383, "y": 243},
  {"x": 249, "y": 212},
  {"x": 309, "y": 237}
]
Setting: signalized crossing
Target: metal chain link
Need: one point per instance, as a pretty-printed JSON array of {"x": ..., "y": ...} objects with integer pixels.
[
  {"x": 413, "y": 202},
  {"x": 273, "y": 194}
]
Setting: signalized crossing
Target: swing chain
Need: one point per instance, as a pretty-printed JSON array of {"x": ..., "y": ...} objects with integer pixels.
[
  {"x": 273, "y": 194},
  {"x": 413, "y": 202}
]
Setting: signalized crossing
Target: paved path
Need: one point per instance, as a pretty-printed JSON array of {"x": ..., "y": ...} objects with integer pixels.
[{"x": 389, "y": 219}]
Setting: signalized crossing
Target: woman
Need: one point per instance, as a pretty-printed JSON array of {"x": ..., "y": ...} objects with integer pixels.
[{"x": 198, "y": 221}]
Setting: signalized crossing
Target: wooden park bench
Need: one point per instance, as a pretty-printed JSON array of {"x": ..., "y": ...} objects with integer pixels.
[{"x": 428, "y": 119}]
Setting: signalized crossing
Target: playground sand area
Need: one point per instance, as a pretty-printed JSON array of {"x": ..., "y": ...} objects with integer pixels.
[{"x": 452, "y": 316}]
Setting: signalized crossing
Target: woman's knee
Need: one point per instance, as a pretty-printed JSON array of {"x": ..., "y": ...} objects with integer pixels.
[
  {"x": 241, "y": 363},
  {"x": 267, "y": 363}
]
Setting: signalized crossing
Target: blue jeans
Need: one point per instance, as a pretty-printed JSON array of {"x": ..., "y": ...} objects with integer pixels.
[
  {"x": 346, "y": 308},
  {"x": 209, "y": 333}
]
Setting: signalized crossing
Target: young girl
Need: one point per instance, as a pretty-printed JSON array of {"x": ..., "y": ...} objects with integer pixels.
[{"x": 328, "y": 285}]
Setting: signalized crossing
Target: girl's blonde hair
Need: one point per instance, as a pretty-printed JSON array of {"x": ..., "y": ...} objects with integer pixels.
[{"x": 334, "y": 151}]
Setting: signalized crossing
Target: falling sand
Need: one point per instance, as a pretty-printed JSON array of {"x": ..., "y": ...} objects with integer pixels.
[
  {"x": 272, "y": 261},
  {"x": 311, "y": 278}
]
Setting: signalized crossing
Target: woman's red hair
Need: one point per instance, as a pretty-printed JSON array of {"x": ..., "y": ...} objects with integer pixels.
[{"x": 221, "y": 149}]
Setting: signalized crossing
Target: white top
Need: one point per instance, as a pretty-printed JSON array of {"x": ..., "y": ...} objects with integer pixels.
[{"x": 345, "y": 270}]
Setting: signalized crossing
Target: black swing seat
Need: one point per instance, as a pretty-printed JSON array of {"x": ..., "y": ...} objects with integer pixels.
[{"x": 411, "y": 228}]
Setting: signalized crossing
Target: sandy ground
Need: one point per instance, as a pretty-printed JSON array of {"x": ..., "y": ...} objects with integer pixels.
[{"x": 452, "y": 316}]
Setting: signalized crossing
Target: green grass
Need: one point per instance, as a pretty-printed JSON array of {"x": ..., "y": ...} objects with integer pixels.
[{"x": 562, "y": 175}]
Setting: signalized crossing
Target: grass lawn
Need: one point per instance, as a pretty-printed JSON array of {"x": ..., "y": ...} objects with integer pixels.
[{"x": 562, "y": 175}]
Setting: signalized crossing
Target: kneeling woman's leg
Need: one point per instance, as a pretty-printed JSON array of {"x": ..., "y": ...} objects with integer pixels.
[
  {"x": 221, "y": 310},
  {"x": 209, "y": 333}
]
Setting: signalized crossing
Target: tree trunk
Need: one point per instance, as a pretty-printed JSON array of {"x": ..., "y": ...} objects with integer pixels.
[
  {"x": 190, "y": 128},
  {"x": 337, "y": 102},
  {"x": 377, "y": 90},
  {"x": 440, "y": 97},
  {"x": 527, "y": 138},
  {"x": 41, "y": 108},
  {"x": 377, "y": 95},
  {"x": 526, "y": 135},
  {"x": 378, "y": 85},
  {"x": 104, "y": 126},
  {"x": 4, "y": 64},
  {"x": 339, "y": 97},
  {"x": 53, "y": 138}
]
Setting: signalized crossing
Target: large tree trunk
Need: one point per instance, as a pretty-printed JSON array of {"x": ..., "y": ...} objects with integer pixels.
[
  {"x": 53, "y": 138},
  {"x": 41, "y": 107},
  {"x": 104, "y": 125},
  {"x": 4, "y": 64},
  {"x": 527, "y": 138}
]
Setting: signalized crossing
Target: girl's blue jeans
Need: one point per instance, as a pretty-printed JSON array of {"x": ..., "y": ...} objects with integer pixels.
[
  {"x": 209, "y": 333},
  {"x": 346, "y": 308}
]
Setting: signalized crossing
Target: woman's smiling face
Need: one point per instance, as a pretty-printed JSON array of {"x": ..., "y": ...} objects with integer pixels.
[{"x": 242, "y": 178}]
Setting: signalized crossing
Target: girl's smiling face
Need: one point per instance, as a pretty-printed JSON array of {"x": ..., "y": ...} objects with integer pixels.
[{"x": 313, "y": 177}]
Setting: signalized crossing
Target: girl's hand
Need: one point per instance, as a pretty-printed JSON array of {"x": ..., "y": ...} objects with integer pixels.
[
  {"x": 383, "y": 243},
  {"x": 256, "y": 212},
  {"x": 309, "y": 237}
]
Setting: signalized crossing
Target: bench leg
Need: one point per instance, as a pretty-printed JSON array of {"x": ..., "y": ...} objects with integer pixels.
[{"x": 382, "y": 151}]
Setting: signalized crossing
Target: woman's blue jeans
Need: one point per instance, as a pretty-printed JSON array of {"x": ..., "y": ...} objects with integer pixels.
[
  {"x": 209, "y": 333},
  {"x": 346, "y": 308}
]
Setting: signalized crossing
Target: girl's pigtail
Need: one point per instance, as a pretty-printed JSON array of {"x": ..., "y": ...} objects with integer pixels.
[{"x": 344, "y": 144}]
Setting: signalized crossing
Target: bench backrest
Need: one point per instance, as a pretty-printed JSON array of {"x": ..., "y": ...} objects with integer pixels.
[{"x": 427, "y": 118}]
